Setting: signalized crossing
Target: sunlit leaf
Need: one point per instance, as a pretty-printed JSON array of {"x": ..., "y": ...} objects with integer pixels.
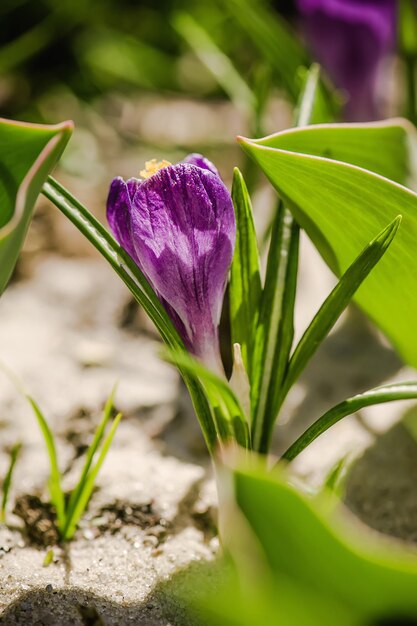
[
  {"x": 306, "y": 541},
  {"x": 275, "y": 327},
  {"x": 229, "y": 416},
  {"x": 342, "y": 206},
  {"x": 336, "y": 302},
  {"x": 28, "y": 153},
  {"x": 245, "y": 280},
  {"x": 379, "y": 395}
]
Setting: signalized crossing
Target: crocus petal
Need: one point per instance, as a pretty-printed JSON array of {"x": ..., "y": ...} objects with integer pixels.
[
  {"x": 119, "y": 208},
  {"x": 179, "y": 226},
  {"x": 200, "y": 161},
  {"x": 350, "y": 38}
]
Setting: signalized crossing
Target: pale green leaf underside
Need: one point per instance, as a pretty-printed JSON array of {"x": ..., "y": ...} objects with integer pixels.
[
  {"x": 309, "y": 543},
  {"x": 342, "y": 206},
  {"x": 28, "y": 153},
  {"x": 382, "y": 147}
]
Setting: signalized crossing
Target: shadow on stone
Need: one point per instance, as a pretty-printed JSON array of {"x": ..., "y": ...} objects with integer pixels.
[{"x": 381, "y": 486}]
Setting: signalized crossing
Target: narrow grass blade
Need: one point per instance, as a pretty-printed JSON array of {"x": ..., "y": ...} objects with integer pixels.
[
  {"x": 98, "y": 436},
  {"x": 54, "y": 483},
  {"x": 337, "y": 301},
  {"x": 49, "y": 557},
  {"x": 335, "y": 479},
  {"x": 379, "y": 395},
  {"x": 245, "y": 280},
  {"x": 136, "y": 282},
  {"x": 118, "y": 258},
  {"x": 215, "y": 60},
  {"x": 230, "y": 418},
  {"x": 271, "y": 35},
  {"x": 274, "y": 333},
  {"x": 8, "y": 480},
  {"x": 87, "y": 485}
]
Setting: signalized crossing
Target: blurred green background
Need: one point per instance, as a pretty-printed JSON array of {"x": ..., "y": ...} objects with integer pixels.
[{"x": 146, "y": 80}]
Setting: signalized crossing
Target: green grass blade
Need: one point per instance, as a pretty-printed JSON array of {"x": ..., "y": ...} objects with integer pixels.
[
  {"x": 88, "y": 484},
  {"x": 54, "y": 483},
  {"x": 271, "y": 35},
  {"x": 230, "y": 418},
  {"x": 274, "y": 333},
  {"x": 337, "y": 301},
  {"x": 8, "y": 480},
  {"x": 215, "y": 60},
  {"x": 118, "y": 258},
  {"x": 245, "y": 280},
  {"x": 98, "y": 436},
  {"x": 136, "y": 282},
  {"x": 274, "y": 330},
  {"x": 379, "y": 395}
]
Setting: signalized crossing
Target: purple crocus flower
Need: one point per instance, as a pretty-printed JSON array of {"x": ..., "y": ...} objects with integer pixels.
[
  {"x": 350, "y": 38},
  {"x": 179, "y": 227}
]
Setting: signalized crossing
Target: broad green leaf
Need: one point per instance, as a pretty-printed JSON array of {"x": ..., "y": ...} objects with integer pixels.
[
  {"x": 309, "y": 542},
  {"x": 230, "y": 419},
  {"x": 245, "y": 280},
  {"x": 263, "y": 599},
  {"x": 342, "y": 206},
  {"x": 28, "y": 153},
  {"x": 336, "y": 302},
  {"x": 379, "y": 395},
  {"x": 134, "y": 279}
]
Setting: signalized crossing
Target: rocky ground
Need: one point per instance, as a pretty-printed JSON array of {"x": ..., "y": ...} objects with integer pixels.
[{"x": 69, "y": 331}]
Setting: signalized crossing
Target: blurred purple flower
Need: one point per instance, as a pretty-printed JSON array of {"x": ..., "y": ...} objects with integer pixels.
[
  {"x": 179, "y": 227},
  {"x": 350, "y": 38}
]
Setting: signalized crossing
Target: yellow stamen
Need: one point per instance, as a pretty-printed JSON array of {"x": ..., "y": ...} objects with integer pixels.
[{"x": 152, "y": 167}]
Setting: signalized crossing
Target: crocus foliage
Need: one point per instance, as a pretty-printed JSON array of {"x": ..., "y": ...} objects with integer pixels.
[
  {"x": 179, "y": 226},
  {"x": 29, "y": 152},
  {"x": 350, "y": 38},
  {"x": 297, "y": 559},
  {"x": 360, "y": 573},
  {"x": 335, "y": 181}
]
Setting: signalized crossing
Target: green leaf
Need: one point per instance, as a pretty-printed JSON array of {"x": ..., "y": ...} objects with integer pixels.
[
  {"x": 8, "y": 480},
  {"x": 54, "y": 482},
  {"x": 88, "y": 482},
  {"x": 308, "y": 542},
  {"x": 214, "y": 59},
  {"x": 342, "y": 206},
  {"x": 386, "y": 147},
  {"x": 272, "y": 36},
  {"x": 245, "y": 281},
  {"x": 28, "y": 153},
  {"x": 230, "y": 419},
  {"x": 134, "y": 279},
  {"x": 275, "y": 328},
  {"x": 379, "y": 395},
  {"x": 76, "y": 494},
  {"x": 282, "y": 52},
  {"x": 336, "y": 302}
]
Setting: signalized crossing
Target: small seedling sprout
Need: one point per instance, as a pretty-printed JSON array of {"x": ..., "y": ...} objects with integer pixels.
[
  {"x": 69, "y": 509},
  {"x": 14, "y": 453}
]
